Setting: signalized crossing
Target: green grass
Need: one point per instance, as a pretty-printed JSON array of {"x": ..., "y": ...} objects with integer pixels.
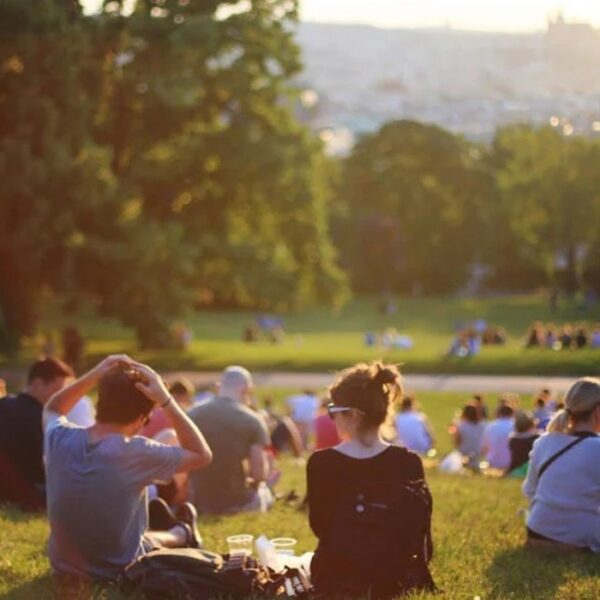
[
  {"x": 321, "y": 340},
  {"x": 478, "y": 536}
]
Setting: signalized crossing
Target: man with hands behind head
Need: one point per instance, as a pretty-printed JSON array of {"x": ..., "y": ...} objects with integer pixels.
[{"x": 97, "y": 477}]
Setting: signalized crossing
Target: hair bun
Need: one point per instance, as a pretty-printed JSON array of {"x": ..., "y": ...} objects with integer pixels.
[{"x": 384, "y": 375}]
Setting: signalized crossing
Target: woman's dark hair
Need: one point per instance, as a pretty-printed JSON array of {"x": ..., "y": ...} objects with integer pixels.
[
  {"x": 49, "y": 369},
  {"x": 372, "y": 388},
  {"x": 470, "y": 413},
  {"x": 119, "y": 401}
]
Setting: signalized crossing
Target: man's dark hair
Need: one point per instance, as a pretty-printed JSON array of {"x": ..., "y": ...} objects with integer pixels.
[
  {"x": 505, "y": 411},
  {"x": 48, "y": 369},
  {"x": 408, "y": 403},
  {"x": 119, "y": 401},
  {"x": 470, "y": 414}
]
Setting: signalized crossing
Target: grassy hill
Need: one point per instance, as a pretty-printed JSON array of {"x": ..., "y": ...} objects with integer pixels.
[
  {"x": 320, "y": 340},
  {"x": 478, "y": 533}
]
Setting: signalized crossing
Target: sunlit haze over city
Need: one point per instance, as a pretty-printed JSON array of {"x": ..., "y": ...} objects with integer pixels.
[{"x": 499, "y": 15}]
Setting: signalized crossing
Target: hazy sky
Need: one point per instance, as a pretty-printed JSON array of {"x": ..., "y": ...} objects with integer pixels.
[{"x": 505, "y": 15}]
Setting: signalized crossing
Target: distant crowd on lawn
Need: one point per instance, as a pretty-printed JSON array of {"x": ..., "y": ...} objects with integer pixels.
[
  {"x": 565, "y": 337},
  {"x": 130, "y": 475}
]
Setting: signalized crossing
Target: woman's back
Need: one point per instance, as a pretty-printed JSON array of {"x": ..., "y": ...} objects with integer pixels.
[
  {"x": 573, "y": 480},
  {"x": 471, "y": 438},
  {"x": 342, "y": 492}
]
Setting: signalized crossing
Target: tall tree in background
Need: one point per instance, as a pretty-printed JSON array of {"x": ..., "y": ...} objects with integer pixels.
[
  {"x": 550, "y": 189},
  {"x": 415, "y": 196},
  {"x": 226, "y": 157},
  {"x": 53, "y": 175},
  {"x": 148, "y": 155}
]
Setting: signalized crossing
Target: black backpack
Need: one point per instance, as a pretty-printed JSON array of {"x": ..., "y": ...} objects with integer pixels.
[
  {"x": 190, "y": 574},
  {"x": 378, "y": 543}
]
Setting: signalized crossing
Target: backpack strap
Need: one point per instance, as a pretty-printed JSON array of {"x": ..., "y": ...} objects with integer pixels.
[{"x": 559, "y": 454}]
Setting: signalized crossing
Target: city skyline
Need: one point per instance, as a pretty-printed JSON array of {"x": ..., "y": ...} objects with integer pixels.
[{"x": 491, "y": 15}]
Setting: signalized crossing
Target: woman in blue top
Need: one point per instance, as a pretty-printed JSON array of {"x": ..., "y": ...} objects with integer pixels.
[{"x": 563, "y": 482}]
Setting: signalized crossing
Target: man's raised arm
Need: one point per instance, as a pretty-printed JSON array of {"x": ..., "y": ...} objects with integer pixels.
[
  {"x": 198, "y": 453},
  {"x": 64, "y": 400}
]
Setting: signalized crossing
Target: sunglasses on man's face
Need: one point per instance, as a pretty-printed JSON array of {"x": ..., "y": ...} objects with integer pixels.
[{"x": 332, "y": 409}]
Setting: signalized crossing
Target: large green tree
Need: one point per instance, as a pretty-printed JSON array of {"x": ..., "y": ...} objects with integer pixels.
[
  {"x": 414, "y": 195},
  {"x": 549, "y": 186},
  {"x": 50, "y": 169},
  {"x": 224, "y": 155},
  {"x": 148, "y": 155}
]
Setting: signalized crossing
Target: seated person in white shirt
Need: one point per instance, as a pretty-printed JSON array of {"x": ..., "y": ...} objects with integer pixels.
[
  {"x": 564, "y": 495},
  {"x": 303, "y": 410},
  {"x": 412, "y": 428},
  {"x": 496, "y": 438}
]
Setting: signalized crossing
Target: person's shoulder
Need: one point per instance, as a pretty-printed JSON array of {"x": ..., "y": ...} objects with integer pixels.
[
  {"x": 61, "y": 431},
  {"x": 249, "y": 415},
  {"x": 322, "y": 457},
  {"x": 202, "y": 408},
  {"x": 136, "y": 442},
  {"x": 138, "y": 446},
  {"x": 593, "y": 443},
  {"x": 406, "y": 461},
  {"x": 400, "y": 453}
]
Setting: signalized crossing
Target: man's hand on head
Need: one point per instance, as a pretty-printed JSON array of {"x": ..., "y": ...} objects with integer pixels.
[
  {"x": 112, "y": 363},
  {"x": 150, "y": 383}
]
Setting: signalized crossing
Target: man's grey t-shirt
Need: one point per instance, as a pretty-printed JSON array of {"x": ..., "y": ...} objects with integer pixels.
[
  {"x": 230, "y": 430},
  {"x": 96, "y": 495}
]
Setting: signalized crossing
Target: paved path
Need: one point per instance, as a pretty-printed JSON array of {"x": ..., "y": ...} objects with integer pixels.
[{"x": 441, "y": 383}]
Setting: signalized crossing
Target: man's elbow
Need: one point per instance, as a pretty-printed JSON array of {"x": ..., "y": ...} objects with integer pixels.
[
  {"x": 203, "y": 459},
  {"x": 195, "y": 460},
  {"x": 208, "y": 457}
]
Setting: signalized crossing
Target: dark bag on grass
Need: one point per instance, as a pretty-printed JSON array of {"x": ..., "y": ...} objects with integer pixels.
[
  {"x": 379, "y": 542},
  {"x": 191, "y": 574}
]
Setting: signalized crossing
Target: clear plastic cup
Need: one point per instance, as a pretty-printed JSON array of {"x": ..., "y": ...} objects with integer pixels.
[
  {"x": 240, "y": 545},
  {"x": 284, "y": 546}
]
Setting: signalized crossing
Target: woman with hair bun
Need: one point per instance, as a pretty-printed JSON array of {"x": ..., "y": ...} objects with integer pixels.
[
  {"x": 563, "y": 481},
  {"x": 368, "y": 503}
]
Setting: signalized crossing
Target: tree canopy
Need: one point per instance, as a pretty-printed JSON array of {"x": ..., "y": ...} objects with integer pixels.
[{"x": 152, "y": 155}]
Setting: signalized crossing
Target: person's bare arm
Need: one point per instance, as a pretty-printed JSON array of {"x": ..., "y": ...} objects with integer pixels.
[
  {"x": 258, "y": 463},
  {"x": 197, "y": 453},
  {"x": 64, "y": 400},
  {"x": 295, "y": 438}
]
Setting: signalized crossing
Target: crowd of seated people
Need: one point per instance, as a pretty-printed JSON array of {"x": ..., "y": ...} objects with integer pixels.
[
  {"x": 470, "y": 338},
  {"x": 564, "y": 337},
  {"x": 502, "y": 444},
  {"x": 165, "y": 457}
]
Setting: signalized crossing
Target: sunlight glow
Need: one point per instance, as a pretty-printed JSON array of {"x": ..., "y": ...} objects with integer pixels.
[{"x": 491, "y": 15}]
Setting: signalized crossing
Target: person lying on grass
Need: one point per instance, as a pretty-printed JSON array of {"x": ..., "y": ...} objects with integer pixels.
[
  {"x": 97, "y": 477},
  {"x": 563, "y": 481}
]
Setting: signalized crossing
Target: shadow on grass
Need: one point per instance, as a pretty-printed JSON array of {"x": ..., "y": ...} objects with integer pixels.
[
  {"x": 40, "y": 587},
  {"x": 526, "y": 573},
  {"x": 45, "y": 587}
]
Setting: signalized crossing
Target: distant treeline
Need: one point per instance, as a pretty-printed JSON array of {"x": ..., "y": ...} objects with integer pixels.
[{"x": 151, "y": 161}]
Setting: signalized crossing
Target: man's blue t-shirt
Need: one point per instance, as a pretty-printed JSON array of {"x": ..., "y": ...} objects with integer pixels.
[{"x": 96, "y": 494}]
